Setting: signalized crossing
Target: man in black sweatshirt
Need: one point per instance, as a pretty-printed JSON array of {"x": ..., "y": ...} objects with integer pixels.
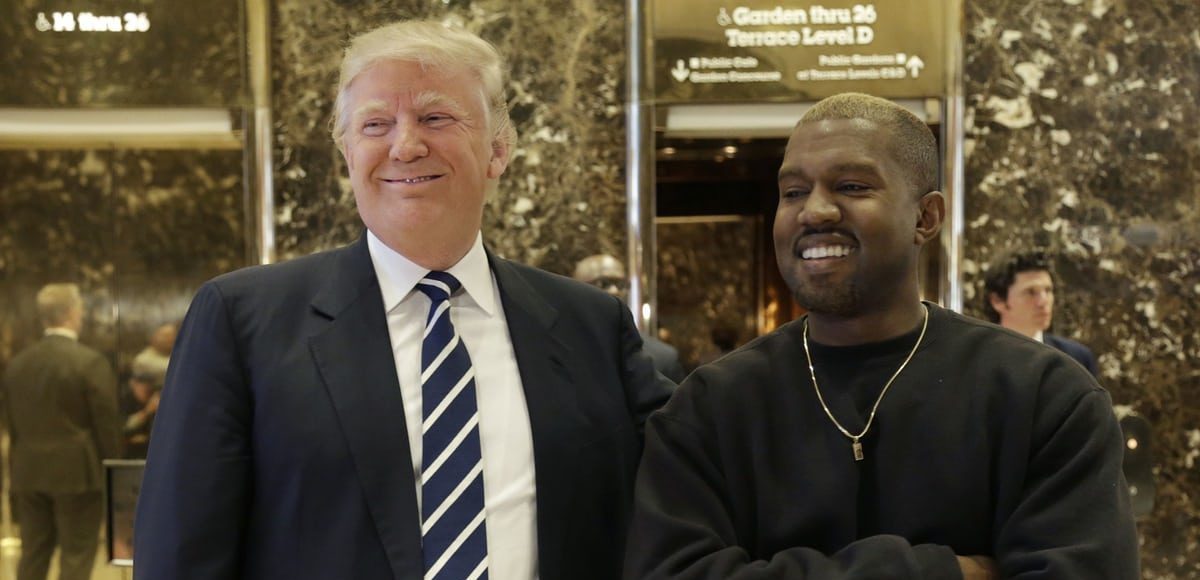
[{"x": 879, "y": 437}]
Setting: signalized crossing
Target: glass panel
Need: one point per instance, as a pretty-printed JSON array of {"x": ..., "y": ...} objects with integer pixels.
[
  {"x": 138, "y": 231},
  {"x": 179, "y": 220}
]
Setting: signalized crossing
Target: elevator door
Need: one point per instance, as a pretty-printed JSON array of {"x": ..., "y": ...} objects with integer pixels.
[
  {"x": 718, "y": 285},
  {"x": 138, "y": 231}
]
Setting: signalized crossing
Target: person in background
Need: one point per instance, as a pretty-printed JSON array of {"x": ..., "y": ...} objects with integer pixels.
[
  {"x": 153, "y": 359},
  {"x": 1019, "y": 295},
  {"x": 607, "y": 273},
  {"x": 411, "y": 405},
  {"x": 723, "y": 339},
  {"x": 147, "y": 376},
  {"x": 60, "y": 402},
  {"x": 145, "y": 389},
  {"x": 879, "y": 436}
]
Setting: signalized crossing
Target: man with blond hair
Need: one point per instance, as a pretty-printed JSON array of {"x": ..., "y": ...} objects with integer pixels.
[
  {"x": 61, "y": 409},
  {"x": 410, "y": 406}
]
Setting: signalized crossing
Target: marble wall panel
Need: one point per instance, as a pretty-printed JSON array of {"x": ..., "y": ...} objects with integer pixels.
[
  {"x": 708, "y": 280},
  {"x": 178, "y": 220},
  {"x": 562, "y": 197},
  {"x": 189, "y": 55},
  {"x": 57, "y": 228},
  {"x": 1083, "y": 136},
  {"x": 137, "y": 230}
]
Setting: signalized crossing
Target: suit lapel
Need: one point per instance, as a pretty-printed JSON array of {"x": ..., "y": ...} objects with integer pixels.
[
  {"x": 355, "y": 359},
  {"x": 550, "y": 396}
]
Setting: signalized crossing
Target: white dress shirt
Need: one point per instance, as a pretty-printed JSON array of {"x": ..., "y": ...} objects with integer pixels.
[
  {"x": 505, "y": 439},
  {"x": 61, "y": 331}
]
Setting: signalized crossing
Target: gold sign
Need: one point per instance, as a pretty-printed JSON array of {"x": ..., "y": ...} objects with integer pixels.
[{"x": 755, "y": 50}]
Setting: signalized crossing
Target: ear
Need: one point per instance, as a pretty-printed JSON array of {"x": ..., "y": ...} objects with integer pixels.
[
  {"x": 500, "y": 155},
  {"x": 931, "y": 210},
  {"x": 998, "y": 303}
]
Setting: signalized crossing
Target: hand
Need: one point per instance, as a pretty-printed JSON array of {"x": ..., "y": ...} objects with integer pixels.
[
  {"x": 151, "y": 405},
  {"x": 978, "y": 568}
]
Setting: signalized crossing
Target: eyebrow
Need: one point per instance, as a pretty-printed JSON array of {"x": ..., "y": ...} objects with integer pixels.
[
  {"x": 423, "y": 100},
  {"x": 428, "y": 99},
  {"x": 790, "y": 173},
  {"x": 855, "y": 167},
  {"x": 369, "y": 107},
  {"x": 847, "y": 167}
]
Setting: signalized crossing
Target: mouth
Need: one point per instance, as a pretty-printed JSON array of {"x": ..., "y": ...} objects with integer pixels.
[
  {"x": 824, "y": 252},
  {"x": 412, "y": 180}
]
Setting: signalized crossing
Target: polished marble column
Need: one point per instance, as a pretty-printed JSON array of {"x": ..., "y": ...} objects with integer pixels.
[{"x": 1083, "y": 136}]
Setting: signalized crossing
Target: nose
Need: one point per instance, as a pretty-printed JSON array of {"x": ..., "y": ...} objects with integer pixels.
[
  {"x": 408, "y": 144},
  {"x": 820, "y": 208}
]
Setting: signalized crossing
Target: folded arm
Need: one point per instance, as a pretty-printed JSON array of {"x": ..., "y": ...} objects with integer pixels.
[
  {"x": 683, "y": 526},
  {"x": 1073, "y": 519}
]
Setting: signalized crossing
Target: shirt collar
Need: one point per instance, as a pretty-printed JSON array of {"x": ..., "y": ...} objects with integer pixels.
[
  {"x": 398, "y": 275},
  {"x": 60, "y": 331},
  {"x": 1040, "y": 336}
]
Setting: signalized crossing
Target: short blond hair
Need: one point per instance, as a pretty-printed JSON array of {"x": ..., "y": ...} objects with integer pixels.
[
  {"x": 913, "y": 142},
  {"x": 433, "y": 45},
  {"x": 55, "y": 302}
]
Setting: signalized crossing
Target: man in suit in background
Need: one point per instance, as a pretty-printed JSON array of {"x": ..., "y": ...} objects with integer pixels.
[
  {"x": 607, "y": 273},
  {"x": 61, "y": 409},
  {"x": 1019, "y": 295},
  {"x": 409, "y": 406}
]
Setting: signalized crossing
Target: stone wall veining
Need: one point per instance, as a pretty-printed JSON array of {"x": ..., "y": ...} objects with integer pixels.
[
  {"x": 707, "y": 280},
  {"x": 562, "y": 197},
  {"x": 1083, "y": 136},
  {"x": 139, "y": 231}
]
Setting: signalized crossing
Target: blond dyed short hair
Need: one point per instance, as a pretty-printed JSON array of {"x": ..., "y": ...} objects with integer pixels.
[{"x": 913, "y": 143}]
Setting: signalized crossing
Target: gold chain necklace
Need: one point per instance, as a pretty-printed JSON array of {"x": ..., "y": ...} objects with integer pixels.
[{"x": 854, "y": 439}]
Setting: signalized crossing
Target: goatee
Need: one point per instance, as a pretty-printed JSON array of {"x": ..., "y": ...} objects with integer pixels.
[{"x": 840, "y": 300}]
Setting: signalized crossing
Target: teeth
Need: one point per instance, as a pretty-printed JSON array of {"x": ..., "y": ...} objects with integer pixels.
[
  {"x": 825, "y": 252},
  {"x": 414, "y": 180}
]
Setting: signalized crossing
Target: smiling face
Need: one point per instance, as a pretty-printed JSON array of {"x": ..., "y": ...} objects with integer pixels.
[
  {"x": 850, "y": 221},
  {"x": 421, "y": 155}
]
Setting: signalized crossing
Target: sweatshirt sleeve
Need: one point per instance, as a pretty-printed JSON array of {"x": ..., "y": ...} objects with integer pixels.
[
  {"x": 1073, "y": 519},
  {"x": 683, "y": 528}
]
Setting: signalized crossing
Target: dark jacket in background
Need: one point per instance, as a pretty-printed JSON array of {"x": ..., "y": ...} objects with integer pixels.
[
  {"x": 61, "y": 411},
  {"x": 1077, "y": 351}
]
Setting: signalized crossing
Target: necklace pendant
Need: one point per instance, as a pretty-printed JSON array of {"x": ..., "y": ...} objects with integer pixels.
[{"x": 858, "y": 454}]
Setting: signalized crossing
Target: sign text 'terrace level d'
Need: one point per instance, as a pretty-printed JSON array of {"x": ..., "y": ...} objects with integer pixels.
[{"x": 721, "y": 51}]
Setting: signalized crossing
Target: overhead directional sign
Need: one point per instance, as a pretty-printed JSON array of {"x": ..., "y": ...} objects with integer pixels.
[
  {"x": 773, "y": 50},
  {"x": 122, "y": 53}
]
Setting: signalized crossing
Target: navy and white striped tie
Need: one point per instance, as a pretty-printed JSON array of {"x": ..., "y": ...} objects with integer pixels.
[{"x": 453, "y": 533}]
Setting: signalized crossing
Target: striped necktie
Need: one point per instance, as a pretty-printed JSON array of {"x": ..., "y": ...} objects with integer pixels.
[{"x": 453, "y": 533}]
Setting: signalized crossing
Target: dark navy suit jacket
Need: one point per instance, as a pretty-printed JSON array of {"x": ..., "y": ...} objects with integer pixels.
[
  {"x": 280, "y": 449},
  {"x": 1077, "y": 351}
]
